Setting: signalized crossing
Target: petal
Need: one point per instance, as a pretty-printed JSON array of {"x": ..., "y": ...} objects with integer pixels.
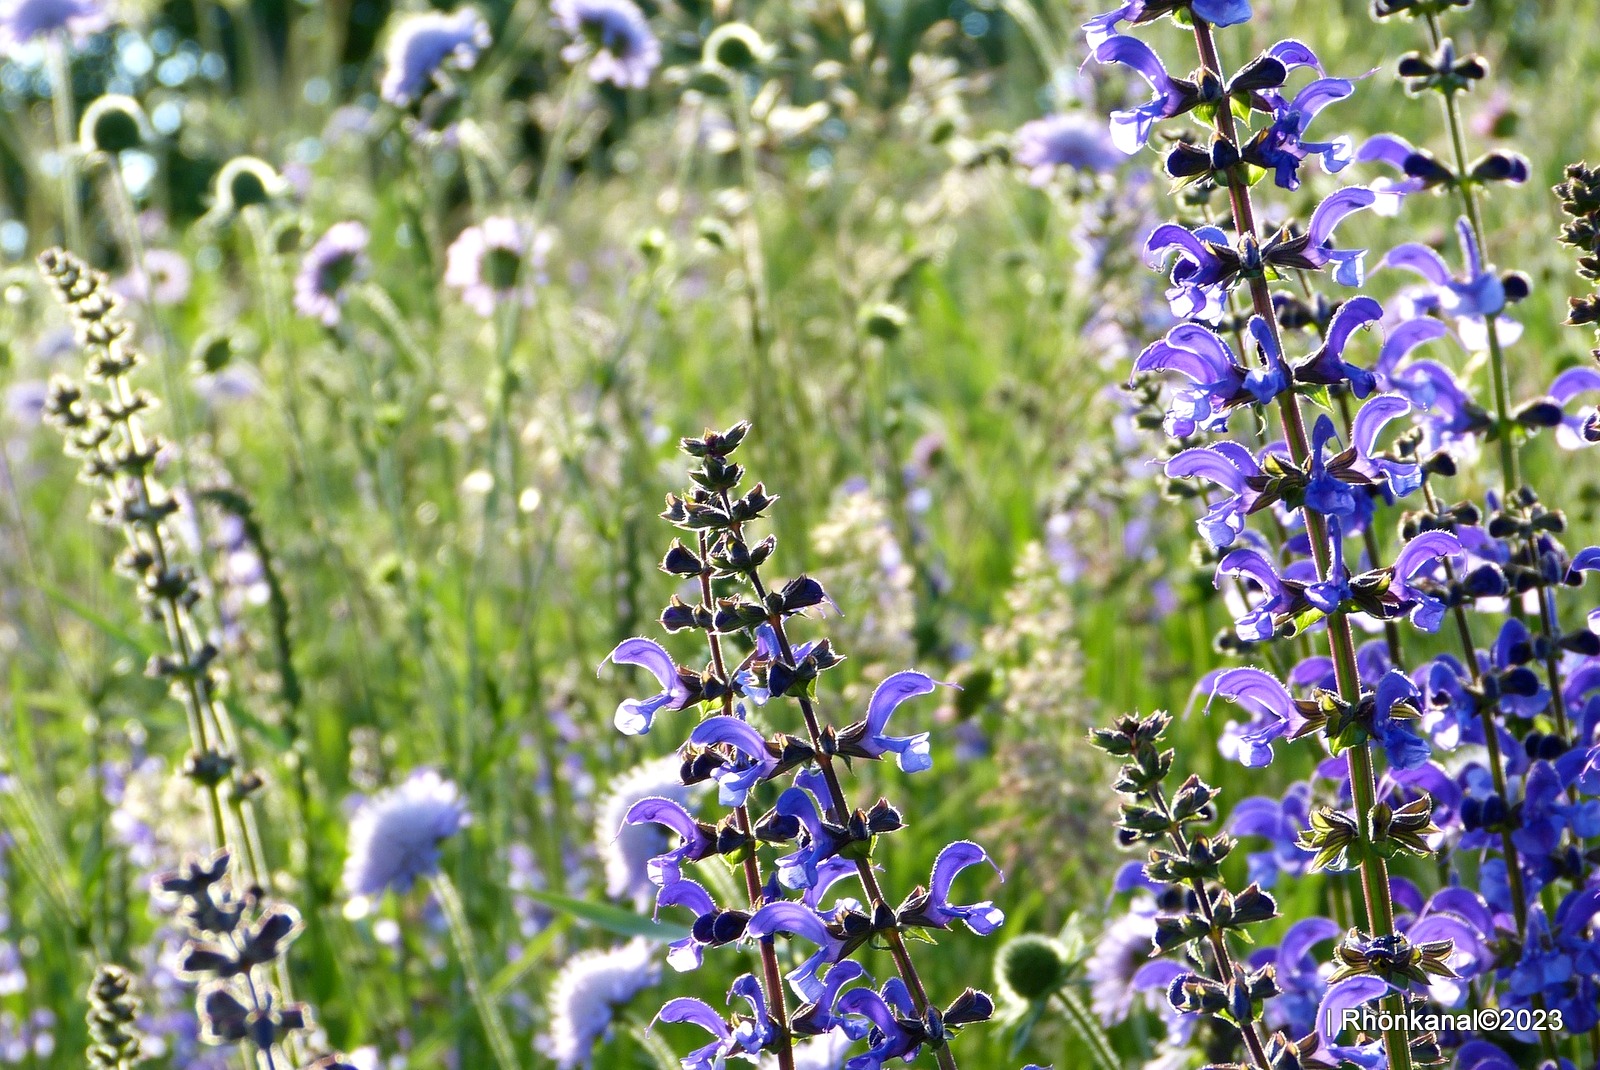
[
  {"x": 651, "y": 655},
  {"x": 694, "y": 1011},
  {"x": 1135, "y": 54},
  {"x": 733, "y": 732},
  {"x": 1301, "y": 938},
  {"x": 951, "y": 861},
  {"x": 893, "y": 691},
  {"x": 1258, "y": 688},
  {"x": 1406, "y": 337},
  {"x": 1386, "y": 149},
  {"x": 1292, "y": 54},
  {"x": 1353, "y": 314},
  {"x": 1319, "y": 94},
  {"x": 1414, "y": 256},
  {"x": 1347, "y": 995},
  {"x": 1333, "y": 209},
  {"x": 1371, "y": 420}
]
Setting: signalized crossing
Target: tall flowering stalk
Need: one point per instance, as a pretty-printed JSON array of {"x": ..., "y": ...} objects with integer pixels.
[
  {"x": 1506, "y": 822},
  {"x": 826, "y": 840},
  {"x": 238, "y": 935}
]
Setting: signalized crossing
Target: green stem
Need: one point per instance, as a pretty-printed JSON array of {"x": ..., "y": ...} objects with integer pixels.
[
  {"x": 61, "y": 109},
  {"x": 494, "y": 1027}
]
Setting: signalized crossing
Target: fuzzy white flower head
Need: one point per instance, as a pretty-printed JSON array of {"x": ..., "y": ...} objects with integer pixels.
[
  {"x": 585, "y": 996},
  {"x": 627, "y": 849},
  {"x": 496, "y": 261},
  {"x": 395, "y": 836}
]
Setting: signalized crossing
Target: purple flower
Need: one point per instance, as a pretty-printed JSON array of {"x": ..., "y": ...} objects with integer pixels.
[
  {"x": 1274, "y": 710},
  {"x": 1218, "y": 381},
  {"x": 1280, "y": 146},
  {"x": 1420, "y": 556},
  {"x": 747, "y": 1035},
  {"x": 1231, "y": 467},
  {"x": 422, "y": 44},
  {"x": 486, "y": 263},
  {"x": 1280, "y": 823},
  {"x": 395, "y": 835},
  {"x": 933, "y": 909},
  {"x": 750, "y": 761},
  {"x": 1326, "y": 366},
  {"x": 615, "y": 34},
  {"x": 1392, "y": 151},
  {"x": 1472, "y": 300},
  {"x": 1204, "y": 268},
  {"x": 1314, "y": 250},
  {"x": 1402, "y": 745},
  {"x": 800, "y": 868},
  {"x": 886, "y": 1011},
  {"x": 1217, "y": 12},
  {"x": 336, "y": 260},
  {"x": 164, "y": 281},
  {"x": 868, "y": 738},
  {"x": 25, "y": 21},
  {"x": 1130, "y": 129},
  {"x": 635, "y": 716},
  {"x": 1574, "y": 432},
  {"x": 1070, "y": 141},
  {"x": 1258, "y": 623},
  {"x": 699, "y": 840},
  {"x": 804, "y": 922}
]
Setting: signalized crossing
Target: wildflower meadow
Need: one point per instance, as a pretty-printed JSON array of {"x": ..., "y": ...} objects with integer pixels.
[{"x": 799, "y": 534}]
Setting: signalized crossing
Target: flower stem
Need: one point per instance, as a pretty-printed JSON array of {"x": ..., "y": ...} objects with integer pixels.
[
  {"x": 494, "y": 1027},
  {"x": 61, "y": 108}
]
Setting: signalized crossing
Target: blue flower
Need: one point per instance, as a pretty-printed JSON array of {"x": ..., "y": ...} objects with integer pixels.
[
  {"x": 25, "y": 21},
  {"x": 614, "y": 36},
  {"x": 1257, "y": 624},
  {"x": 1326, "y": 366},
  {"x": 1472, "y": 300},
  {"x": 422, "y": 44},
  {"x": 1574, "y": 431},
  {"x": 1217, "y": 380},
  {"x": 1130, "y": 129},
  {"x": 1280, "y": 823},
  {"x": 932, "y": 909},
  {"x": 739, "y": 1035},
  {"x": 1392, "y": 151},
  {"x": 868, "y": 738},
  {"x": 1231, "y": 467},
  {"x": 1275, "y": 714},
  {"x": 1204, "y": 268},
  {"x": 699, "y": 840},
  {"x": 1560, "y": 965},
  {"x": 635, "y": 716},
  {"x": 1420, "y": 558},
  {"x": 1314, "y": 249},
  {"x": 799, "y": 869},
  {"x": 1401, "y": 744},
  {"x": 1071, "y": 141},
  {"x": 799, "y": 920},
  {"x": 886, "y": 1012},
  {"x": 1280, "y": 147},
  {"x": 750, "y": 762},
  {"x": 1217, "y": 12},
  {"x": 395, "y": 835}
]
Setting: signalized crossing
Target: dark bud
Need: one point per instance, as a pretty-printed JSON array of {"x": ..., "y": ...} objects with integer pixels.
[
  {"x": 1540, "y": 412},
  {"x": 970, "y": 1007},
  {"x": 1425, "y": 166},
  {"x": 716, "y": 444},
  {"x": 680, "y": 561},
  {"x": 1500, "y": 167}
]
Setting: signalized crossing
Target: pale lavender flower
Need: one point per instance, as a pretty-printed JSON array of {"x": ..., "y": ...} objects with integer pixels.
[
  {"x": 1125, "y": 945},
  {"x": 486, "y": 263},
  {"x": 614, "y": 36},
  {"x": 1070, "y": 141},
  {"x": 164, "y": 281},
  {"x": 25, "y": 401},
  {"x": 337, "y": 259},
  {"x": 395, "y": 835},
  {"x": 421, "y": 46},
  {"x": 25, "y": 21},
  {"x": 586, "y": 994}
]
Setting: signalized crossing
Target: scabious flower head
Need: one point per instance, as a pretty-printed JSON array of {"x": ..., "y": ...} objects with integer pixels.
[
  {"x": 113, "y": 123},
  {"x": 613, "y": 36},
  {"x": 1124, "y": 946},
  {"x": 420, "y": 47},
  {"x": 337, "y": 259},
  {"x": 1072, "y": 141},
  {"x": 164, "y": 281},
  {"x": 25, "y": 21},
  {"x": 395, "y": 835},
  {"x": 627, "y": 853},
  {"x": 586, "y": 994},
  {"x": 245, "y": 181},
  {"x": 496, "y": 262}
]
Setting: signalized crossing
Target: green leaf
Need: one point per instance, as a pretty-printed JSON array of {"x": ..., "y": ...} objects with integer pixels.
[{"x": 612, "y": 919}]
